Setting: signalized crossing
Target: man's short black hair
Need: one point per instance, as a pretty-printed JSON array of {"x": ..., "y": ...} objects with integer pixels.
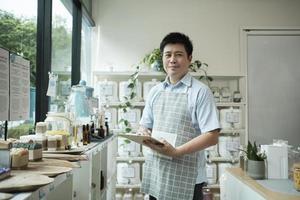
[{"x": 177, "y": 38}]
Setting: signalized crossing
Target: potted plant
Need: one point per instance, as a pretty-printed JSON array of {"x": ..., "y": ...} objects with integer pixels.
[
  {"x": 255, "y": 161},
  {"x": 154, "y": 60}
]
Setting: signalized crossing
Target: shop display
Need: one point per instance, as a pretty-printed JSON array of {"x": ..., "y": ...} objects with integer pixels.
[
  {"x": 230, "y": 118},
  {"x": 124, "y": 91},
  {"x": 111, "y": 115},
  {"x": 128, "y": 173},
  {"x": 132, "y": 115},
  {"x": 128, "y": 148},
  {"x": 35, "y": 150},
  {"x": 229, "y": 146},
  {"x": 107, "y": 91},
  {"x": 211, "y": 173},
  {"x": 147, "y": 87}
]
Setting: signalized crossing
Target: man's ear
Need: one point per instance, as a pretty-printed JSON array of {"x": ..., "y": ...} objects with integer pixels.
[{"x": 190, "y": 58}]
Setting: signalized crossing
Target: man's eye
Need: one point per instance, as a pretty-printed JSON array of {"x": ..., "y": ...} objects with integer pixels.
[{"x": 167, "y": 55}]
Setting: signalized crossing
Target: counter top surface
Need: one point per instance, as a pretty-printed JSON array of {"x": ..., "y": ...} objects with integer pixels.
[{"x": 263, "y": 186}]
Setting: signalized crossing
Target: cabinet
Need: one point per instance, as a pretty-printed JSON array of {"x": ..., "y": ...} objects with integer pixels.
[
  {"x": 234, "y": 134},
  {"x": 95, "y": 177}
]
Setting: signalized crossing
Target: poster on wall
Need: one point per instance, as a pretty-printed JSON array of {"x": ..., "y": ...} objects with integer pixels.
[
  {"x": 19, "y": 88},
  {"x": 4, "y": 84}
]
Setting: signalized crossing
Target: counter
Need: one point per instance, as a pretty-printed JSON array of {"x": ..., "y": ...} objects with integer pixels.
[{"x": 235, "y": 184}]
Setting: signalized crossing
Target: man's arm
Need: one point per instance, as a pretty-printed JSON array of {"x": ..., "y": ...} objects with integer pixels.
[{"x": 198, "y": 143}]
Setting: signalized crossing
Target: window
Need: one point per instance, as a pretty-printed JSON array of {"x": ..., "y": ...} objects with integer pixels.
[
  {"x": 18, "y": 25},
  {"x": 85, "y": 65},
  {"x": 61, "y": 51}
]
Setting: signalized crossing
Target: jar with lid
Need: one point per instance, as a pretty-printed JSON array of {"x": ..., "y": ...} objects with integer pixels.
[
  {"x": 297, "y": 176},
  {"x": 207, "y": 194}
]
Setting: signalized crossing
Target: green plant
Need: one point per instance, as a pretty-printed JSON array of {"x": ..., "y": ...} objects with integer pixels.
[
  {"x": 197, "y": 66},
  {"x": 127, "y": 104},
  {"x": 252, "y": 152},
  {"x": 154, "y": 60}
]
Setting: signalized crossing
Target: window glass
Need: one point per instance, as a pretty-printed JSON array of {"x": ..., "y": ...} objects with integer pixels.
[
  {"x": 61, "y": 52},
  {"x": 85, "y": 65},
  {"x": 18, "y": 25}
]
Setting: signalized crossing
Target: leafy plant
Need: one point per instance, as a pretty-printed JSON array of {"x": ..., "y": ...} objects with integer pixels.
[
  {"x": 154, "y": 59},
  {"x": 253, "y": 154},
  {"x": 197, "y": 66},
  {"x": 127, "y": 104}
]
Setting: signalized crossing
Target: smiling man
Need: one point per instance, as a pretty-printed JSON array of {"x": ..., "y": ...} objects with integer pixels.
[{"x": 181, "y": 112}]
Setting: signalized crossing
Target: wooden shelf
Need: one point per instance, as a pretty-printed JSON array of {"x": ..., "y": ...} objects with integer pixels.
[
  {"x": 142, "y": 104},
  {"x": 222, "y": 159},
  {"x": 128, "y": 186},
  {"x": 131, "y": 159}
]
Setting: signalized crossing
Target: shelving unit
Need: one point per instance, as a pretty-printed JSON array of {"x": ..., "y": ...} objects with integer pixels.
[
  {"x": 235, "y": 82},
  {"x": 87, "y": 178}
]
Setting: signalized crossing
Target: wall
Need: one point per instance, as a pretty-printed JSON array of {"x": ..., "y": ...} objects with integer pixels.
[{"x": 128, "y": 29}]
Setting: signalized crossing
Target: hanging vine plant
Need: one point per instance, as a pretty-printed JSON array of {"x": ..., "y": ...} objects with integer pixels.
[{"x": 127, "y": 104}]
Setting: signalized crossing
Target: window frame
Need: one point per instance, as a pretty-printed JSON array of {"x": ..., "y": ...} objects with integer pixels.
[{"x": 44, "y": 45}]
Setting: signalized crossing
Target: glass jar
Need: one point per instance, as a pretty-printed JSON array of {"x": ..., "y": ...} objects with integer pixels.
[{"x": 297, "y": 176}]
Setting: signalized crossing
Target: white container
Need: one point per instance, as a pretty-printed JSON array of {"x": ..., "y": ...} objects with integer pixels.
[
  {"x": 277, "y": 159},
  {"x": 111, "y": 115},
  {"x": 118, "y": 196},
  {"x": 211, "y": 173},
  {"x": 212, "y": 151},
  {"x": 128, "y": 149},
  {"x": 41, "y": 139},
  {"x": 125, "y": 91},
  {"x": 229, "y": 146},
  {"x": 147, "y": 87},
  {"x": 133, "y": 116},
  {"x": 41, "y": 128},
  {"x": 230, "y": 118},
  {"x": 128, "y": 173},
  {"x": 52, "y": 143},
  {"x": 107, "y": 91},
  {"x": 128, "y": 196},
  {"x": 138, "y": 196}
]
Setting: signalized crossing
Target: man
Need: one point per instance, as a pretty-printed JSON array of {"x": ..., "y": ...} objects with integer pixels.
[{"x": 181, "y": 110}]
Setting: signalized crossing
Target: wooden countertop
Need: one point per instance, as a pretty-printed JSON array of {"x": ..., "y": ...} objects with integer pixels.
[{"x": 265, "y": 192}]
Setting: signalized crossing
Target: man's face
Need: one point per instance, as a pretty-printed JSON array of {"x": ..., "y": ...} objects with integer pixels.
[{"x": 176, "y": 61}]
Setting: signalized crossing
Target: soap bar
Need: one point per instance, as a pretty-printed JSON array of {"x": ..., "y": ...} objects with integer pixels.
[
  {"x": 19, "y": 157},
  {"x": 4, "y": 173},
  {"x": 35, "y": 150}
]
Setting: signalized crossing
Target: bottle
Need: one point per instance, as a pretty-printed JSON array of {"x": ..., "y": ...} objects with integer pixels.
[
  {"x": 88, "y": 132},
  {"x": 107, "y": 126},
  {"x": 242, "y": 158},
  {"x": 101, "y": 132},
  {"x": 84, "y": 133}
]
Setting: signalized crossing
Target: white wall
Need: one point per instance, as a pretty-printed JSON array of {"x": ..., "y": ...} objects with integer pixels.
[{"x": 128, "y": 29}]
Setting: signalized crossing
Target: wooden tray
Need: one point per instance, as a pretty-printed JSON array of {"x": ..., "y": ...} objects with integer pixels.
[
  {"x": 24, "y": 182},
  {"x": 4, "y": 196},
  {"x": 42, "y": 170},
  {"x": 65, "y": 157},
  {"x": 72, "y": 151},
  {"x": 53, "y": 162}
]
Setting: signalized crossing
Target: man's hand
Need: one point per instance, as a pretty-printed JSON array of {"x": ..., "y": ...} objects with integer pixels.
[
  {"x": 143, "y": 131},
  {"x": 165, "y": 149}
]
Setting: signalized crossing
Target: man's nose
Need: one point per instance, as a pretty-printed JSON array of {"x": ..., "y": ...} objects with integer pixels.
[{"x": 173, "y": 59}]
